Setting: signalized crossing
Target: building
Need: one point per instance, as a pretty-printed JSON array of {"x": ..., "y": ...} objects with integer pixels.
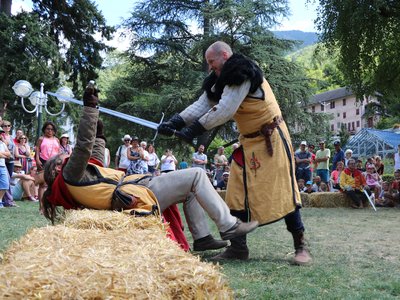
[{"x": 345, "y": 109}]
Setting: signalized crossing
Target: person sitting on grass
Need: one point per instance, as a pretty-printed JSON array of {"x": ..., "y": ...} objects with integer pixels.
[
  {"x": 335, "y": 177},
  {"x": 309, "y": 187},
  {"x": 385, "y": 198},
  {"x": 22, "y": 185},
  {"x": 353, "y": 184},
  {"x": 301, "y": 185},
  {"x": 395, "y": 187},
  {"x": 80, "y": 181}
]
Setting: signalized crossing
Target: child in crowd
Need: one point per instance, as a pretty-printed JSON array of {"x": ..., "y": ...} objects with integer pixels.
[
  {"x": 385, "y": 198},
  {"x": 300, "y": 184},
  {"x": 309, "y": 187},
  {"x": 373, "y": 180}
]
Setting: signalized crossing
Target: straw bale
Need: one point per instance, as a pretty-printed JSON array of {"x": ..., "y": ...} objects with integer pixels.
[
  {"x": 325, "y": 199},
  {"x": 94, "y": 258}
]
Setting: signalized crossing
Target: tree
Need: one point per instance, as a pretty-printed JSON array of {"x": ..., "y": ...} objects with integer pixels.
[
  {"x": 53, "y": 44},
  {"x": 367, "y": 35},
  {"x": 168, "y": 54}
]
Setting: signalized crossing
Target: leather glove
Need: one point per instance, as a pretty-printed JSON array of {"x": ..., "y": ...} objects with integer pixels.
[
  {"x": 91, "y": 97},
  {"x": 168, "y": 128},
  {"x": 189, "y": 133}
]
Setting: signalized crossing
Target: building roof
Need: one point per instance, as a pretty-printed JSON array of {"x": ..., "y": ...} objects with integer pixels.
[
  {"x": 368, "y": 142},
  {"x": 331, "y": 95}
]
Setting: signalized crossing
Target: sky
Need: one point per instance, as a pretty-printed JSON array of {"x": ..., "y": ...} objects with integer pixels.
[{"x": 302, "y": 14}]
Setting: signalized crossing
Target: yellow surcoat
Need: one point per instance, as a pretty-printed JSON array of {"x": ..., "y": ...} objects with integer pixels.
[{"x": 266, "y": 185}]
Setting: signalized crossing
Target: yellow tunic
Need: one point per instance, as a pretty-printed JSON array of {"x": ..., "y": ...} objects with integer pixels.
[
  {"x": 98, "y": 194},
  {"x": 266, "y": 186}
]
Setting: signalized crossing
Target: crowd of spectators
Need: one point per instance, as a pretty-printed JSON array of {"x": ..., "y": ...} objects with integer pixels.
[{"x": 356, "y": 178}]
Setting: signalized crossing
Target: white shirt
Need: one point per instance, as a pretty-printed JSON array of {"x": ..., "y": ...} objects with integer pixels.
[
  {"x": 168, "y": 164},
  {"x": 124, "y": 162},
  {"x": 3, "y": 148}
]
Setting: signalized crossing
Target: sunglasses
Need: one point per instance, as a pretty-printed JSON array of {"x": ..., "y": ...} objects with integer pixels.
[
  {"x": 5, "y": 125},
  {"x": 127, "y": 140},
  {"x": 23, "y": 138},
  {"x": 50, "y": 128}
]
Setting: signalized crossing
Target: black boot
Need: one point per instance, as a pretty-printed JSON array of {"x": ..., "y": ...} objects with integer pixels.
[
  {"x": 237, "y": 250},
  {"x": 208, "y": 243},
  {"x": 169, "y": 127},
  {"x": 302, "y": 256}
]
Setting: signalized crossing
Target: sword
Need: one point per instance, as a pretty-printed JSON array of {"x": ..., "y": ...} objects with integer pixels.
[
  {"x": 370, "y": 200},
  {"x": 114, "y": 113}
]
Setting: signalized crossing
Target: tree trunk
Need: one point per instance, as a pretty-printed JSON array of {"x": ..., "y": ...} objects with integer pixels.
[{"x": 5, "y": 6}]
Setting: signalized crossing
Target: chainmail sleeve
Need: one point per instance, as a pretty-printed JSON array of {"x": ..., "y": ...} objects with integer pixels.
[{"x": 229, "y": 103}]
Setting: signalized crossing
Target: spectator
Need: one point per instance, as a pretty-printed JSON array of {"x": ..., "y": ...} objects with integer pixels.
[
  {"x": 223, "y": 183},
  {"x": 23, "y": 153},
  {"x": 107, "y": 158},
  {"x": 153, "y": 161},
  {"x": 65, "y": 147},
  {"x": 220, "y": 162},
  {"x": 301, "y": 185},
  {"x": 199, "y": 159},
  {"x": 370, "y": 161},
  {"x": 316, "y": 184},
  {"x": 303, "y": 162},
  {"x": 183, "y": 165},
  {"x": 323, "y": 187},
  {"x": 309, "y": 187},
  {"x": 22, "y": 185},
  {"x": 136, "y": 156},
  {"x": 373, "y": 180},
  {"x": 168, "y": 162},
  {"x": 353, "y": 183},
  {"x": 338, "y": 155},
  {"x": 47, "y": 146},
  {"x": 234, "y": 147},
  {"x": 397, "y": 158},
  {"x": 385, "y": 198},
  {"x": 347, "y": 155},
  {"x": 322, "y": 160},
  {"x": 359, "y": 165},
  {"x": 335, "y": 177},
  {"x": 380, "y": 167},
  {"x": 395, "y": 188},
  {"x": 145, "y": 159},
  {"x": 4, "y": 177},
  {"x": 121, "y": 157},
  {"x": 18, "y": 133},
  {"x": 311, "y": 149}
]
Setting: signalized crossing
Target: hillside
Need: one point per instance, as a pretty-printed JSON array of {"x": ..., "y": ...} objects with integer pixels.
[{"x": 308, "y": 38}]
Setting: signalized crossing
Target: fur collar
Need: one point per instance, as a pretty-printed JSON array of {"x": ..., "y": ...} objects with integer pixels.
[{"x": 235, "y": 71}]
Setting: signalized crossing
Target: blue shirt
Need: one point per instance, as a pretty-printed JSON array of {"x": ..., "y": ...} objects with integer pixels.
[{"x": 338, "y": 156}]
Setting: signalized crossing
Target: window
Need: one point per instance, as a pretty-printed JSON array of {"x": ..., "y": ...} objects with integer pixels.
[
  {"x": 313, "y": 109},
  {"x": 333, "y": 104},
  {"x": 358, "y": 123},
  {"x": 344, "y": 102},
  {"x": 344, "y": 115},
  {"x": 348, "y": 126},
  {"x": 338, "y": 125},
  {"x": 322, "y": 107},
  {"x": 357, "y": 111},
  {"x": 332, "y": 127},
  {"x": 338, "y": 115},
  {"x": 352, "y": 126}
]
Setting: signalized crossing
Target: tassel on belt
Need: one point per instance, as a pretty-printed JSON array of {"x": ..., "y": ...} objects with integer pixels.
[{"x": 266, "y": 131}]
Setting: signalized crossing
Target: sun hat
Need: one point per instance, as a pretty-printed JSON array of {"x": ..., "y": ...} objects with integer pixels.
[
  {"x": 225, "y": 173},
  {"x": 309, "y": 182},
  {"x": 126, "y": 137},
  {"x": 65, "y": 135},
  {"x": 17, "y": 163},
  {"x": 303, "y": 143}
]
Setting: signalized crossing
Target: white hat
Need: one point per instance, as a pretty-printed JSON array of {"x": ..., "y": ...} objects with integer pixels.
[
  {"x": 126, "y": 137},
  {"x": 225, "y": 173},
  {"x": 65, "y": 135},
  {"x": 303, "y": 143},
  {"x": 349, "y": 151}
]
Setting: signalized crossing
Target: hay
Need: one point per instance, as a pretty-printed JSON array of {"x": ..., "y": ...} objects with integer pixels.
[
  {"x": 106, "y": 255},
  {"x": 325, "y": 199}
]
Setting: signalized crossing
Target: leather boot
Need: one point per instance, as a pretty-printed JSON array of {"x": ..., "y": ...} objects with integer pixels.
[
  {"x": 237, "y": 250},
  {"x": 302, "y": 256},
  {"x": 208, "y": 243}
]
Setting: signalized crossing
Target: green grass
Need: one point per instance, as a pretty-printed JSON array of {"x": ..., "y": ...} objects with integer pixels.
[{"x": 356, "y": 255}]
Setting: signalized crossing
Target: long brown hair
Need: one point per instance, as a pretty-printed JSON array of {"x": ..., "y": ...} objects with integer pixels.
[{"x": 50, "y": 211}]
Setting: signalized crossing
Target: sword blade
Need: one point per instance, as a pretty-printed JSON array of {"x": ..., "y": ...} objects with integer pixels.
[
  {"x": 370, "y": 200},
  {"x": 111, "y": 112}
]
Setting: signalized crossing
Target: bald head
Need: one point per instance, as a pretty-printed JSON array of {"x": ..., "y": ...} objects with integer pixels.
[{"x": 216, "y": 55}]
